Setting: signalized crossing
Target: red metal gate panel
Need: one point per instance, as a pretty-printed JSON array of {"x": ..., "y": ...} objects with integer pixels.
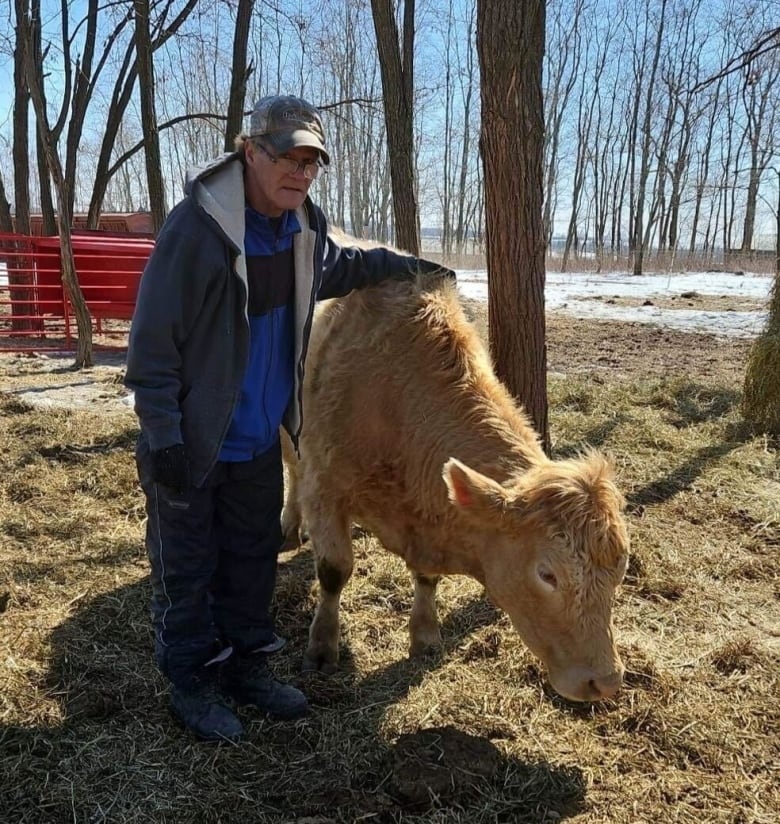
[{"x": 33, "y": 304}]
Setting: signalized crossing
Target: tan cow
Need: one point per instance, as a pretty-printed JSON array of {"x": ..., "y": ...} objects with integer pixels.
[{"x": 408, "y": 432}]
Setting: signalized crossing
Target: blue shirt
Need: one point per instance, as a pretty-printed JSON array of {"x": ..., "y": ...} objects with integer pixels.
[{"x": 268, "y": 381}]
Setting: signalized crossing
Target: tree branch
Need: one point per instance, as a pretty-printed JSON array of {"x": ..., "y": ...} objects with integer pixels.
[
  {"x": 123, "y": 158},
  {"x": 763, "y": 45}
]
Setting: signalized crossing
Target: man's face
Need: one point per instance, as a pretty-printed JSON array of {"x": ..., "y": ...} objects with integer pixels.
[{"x": 271, "y": 187}]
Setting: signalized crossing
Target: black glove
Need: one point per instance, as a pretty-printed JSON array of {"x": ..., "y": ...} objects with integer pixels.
[
  {"x": 432, "y": 275},
  {"x": 171, "y": 467}
]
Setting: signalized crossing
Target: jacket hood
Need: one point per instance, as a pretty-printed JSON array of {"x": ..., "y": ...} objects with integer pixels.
[{"x": 218, "y": 188}]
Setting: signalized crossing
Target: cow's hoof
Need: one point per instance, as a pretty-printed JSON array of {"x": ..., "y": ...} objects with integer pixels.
[{"x": 318, "y": 663}]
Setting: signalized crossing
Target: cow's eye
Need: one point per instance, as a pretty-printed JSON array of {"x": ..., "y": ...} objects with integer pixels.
[{"x": 547, "y": 577}]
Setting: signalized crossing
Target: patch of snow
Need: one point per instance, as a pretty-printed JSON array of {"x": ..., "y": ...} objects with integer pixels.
[{"x": 568, "y": 293}]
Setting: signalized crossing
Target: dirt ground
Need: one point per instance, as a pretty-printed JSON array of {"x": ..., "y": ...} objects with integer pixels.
[{"x": 626, "y": 350}]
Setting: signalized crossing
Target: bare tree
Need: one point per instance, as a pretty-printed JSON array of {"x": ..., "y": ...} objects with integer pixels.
[
  {"x": 468, "y": 80},
  {"x": 646, "y": 145},
  {"x": 348, "y": 77},
  {"x": 762, "y": 110},
  {"x": 510, "y": 43},
  {"x": 766, "y": 42},
  {"x": 48, "y": 140},
  {"x": 563, "y": 60},
  {"x": 587, "y": 108},
  {"x": 240, "y": 74},
  {"x": 396, "y": 61},
  {"x": 21, "y": 136},
  {"x": 19, "y": 277},
  {"x": 448, "y": 184},
  {"x": 79, "y": 79},
  {"x": 154, "y": 180},
  {"x": 685, "y": 113},
  {"x": 702, "y": 170},
  {"x": 453, "y": 163},
  {"x": 124, "y": 83},
  {"x": 606, "y": 150}
]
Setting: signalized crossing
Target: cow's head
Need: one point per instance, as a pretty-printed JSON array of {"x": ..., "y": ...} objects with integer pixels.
[{"x": 553, "y": 548}]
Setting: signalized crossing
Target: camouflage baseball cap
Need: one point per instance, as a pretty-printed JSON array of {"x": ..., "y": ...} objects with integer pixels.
[{"x": 288, "y": 122}]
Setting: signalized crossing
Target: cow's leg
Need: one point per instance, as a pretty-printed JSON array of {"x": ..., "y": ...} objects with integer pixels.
[
  {"x": 332, "y": 545},
  {"x": 424, "y": 622}
]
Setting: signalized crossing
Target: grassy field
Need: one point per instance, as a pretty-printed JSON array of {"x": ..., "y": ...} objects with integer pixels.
[{"x": 472, "y": 734}]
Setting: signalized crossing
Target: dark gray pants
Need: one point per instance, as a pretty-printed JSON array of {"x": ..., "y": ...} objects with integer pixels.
[{"x": 213, "y": 553}]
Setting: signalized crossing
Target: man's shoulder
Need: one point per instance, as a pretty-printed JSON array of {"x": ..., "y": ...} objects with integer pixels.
[
  {"x": 184, "y": 218},
  {"x": 189, "y": 225}
]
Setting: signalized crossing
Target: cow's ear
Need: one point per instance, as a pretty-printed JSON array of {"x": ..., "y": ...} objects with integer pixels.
[{"x": 472, "y": 491}]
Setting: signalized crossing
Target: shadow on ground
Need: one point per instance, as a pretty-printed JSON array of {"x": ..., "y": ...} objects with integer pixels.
[{"x": 108, "y": 749}]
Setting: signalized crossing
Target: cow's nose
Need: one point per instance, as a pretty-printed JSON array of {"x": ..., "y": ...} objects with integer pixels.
[{"x": 605, "y": 686}]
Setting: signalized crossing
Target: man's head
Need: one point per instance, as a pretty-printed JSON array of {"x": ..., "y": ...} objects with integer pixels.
[
  {"x": 284, "y": 123},
  {"x": 283, "y": 153}
]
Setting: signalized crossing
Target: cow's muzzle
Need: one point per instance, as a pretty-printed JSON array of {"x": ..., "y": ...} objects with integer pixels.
[{"x": 582, "y": 684}]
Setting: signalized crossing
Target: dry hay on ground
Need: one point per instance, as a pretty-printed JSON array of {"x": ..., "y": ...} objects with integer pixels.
[{"x": 469, "y": 735}]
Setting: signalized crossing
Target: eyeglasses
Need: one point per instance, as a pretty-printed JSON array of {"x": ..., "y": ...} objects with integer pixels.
[{"x": 312, "y": 169}]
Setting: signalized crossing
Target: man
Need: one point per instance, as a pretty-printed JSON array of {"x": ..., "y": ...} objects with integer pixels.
[{"x": 216, "y": 358}]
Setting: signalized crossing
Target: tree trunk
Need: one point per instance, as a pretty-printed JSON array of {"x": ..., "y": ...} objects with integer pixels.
[
  {"x": 397, "y": 70},
  {"x": 34, "y": 79},
  {"x": 461, "y": 228},
  {"x": 647, "y": 140},
  {"x": 48, "y": 212},
  {"x": 21, "y": 147},
  {"x": 240, "y": 73},
  {"x": 510, "y": 43},
  {"x": 143, "y": 46},
  {"x": 6, "y": 219},
  {"x": 19, "y": 267}
]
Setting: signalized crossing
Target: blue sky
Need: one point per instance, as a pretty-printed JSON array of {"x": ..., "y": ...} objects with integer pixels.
[{"x": 292, "y": 76}]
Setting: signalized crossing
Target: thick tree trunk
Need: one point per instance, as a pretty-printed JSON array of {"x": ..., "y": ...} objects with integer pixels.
[
  {"x": 143, "y": 45},
  {"x": 398, "y": 92},
  {"x": 240, "y": 73},
  {"x": 510, "y": 42}
]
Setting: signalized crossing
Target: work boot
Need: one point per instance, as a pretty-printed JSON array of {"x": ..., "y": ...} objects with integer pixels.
[
  {"x": 200, "y": 706},
  {"x": 248, "y": 680}
]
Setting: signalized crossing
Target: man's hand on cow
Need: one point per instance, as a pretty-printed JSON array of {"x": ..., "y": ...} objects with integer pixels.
[
  {"x": 432, "y": 275},
  {"x": 172, "y": 467}
]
